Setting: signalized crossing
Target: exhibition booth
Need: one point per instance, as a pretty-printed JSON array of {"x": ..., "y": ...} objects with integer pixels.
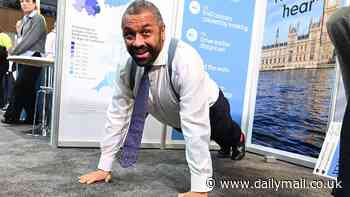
[{"x": 272, "y": 59}]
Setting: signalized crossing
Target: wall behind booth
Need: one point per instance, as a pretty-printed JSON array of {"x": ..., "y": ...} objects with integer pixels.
[{"x": 9, "y": 17}]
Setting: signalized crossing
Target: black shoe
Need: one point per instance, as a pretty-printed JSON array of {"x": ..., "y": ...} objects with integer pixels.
[
  {"x": 4, "y": 108},
  {"x": 238, "y": 151},
  {"x": 9, "y": 121},
  {"x": 224, "y": 153},
  {"x": 27, "y": 122}
]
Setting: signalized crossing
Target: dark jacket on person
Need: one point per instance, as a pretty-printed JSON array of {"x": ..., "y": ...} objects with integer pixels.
[
  {"x": 4, "y": 63},
  {"x": 33, "y": 35}
]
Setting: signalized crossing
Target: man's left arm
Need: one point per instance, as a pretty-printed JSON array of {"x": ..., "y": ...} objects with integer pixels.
[{"x": 195, "y": 122}]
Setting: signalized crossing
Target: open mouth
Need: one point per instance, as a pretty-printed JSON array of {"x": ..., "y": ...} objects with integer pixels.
[{"x": 142, "y": 54}]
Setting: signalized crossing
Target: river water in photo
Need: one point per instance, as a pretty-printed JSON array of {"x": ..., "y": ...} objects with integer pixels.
[{"x": 292, "y": 109}]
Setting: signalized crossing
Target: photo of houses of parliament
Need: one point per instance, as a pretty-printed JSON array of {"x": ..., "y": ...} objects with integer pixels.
[{"x": 311, "y": 50}]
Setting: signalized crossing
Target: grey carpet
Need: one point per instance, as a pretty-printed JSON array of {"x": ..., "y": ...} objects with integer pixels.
[{"x": 31, "y": 167}]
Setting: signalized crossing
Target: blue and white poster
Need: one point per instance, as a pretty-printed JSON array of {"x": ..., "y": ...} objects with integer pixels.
[{"x": 221, "y": 33}]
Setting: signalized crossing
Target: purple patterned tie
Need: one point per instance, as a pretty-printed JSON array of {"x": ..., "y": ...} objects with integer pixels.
[{"x": 137, "y": 122}]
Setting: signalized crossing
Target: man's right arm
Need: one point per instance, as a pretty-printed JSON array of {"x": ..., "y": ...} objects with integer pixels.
[{"x": 118, "y": 118}]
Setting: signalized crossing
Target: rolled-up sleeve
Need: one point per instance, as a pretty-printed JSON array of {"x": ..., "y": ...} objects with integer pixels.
[
  {"x": 195, "y": 122},
  {"x": 118, "y": 118}
]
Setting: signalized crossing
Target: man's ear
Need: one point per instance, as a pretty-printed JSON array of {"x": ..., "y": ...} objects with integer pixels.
[{"x": 162, "y": 30}]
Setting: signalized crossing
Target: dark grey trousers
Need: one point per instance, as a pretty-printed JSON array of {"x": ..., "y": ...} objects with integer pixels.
[
  {"x": 338, "y": 27},
  {"x": 224, "y": 131}
]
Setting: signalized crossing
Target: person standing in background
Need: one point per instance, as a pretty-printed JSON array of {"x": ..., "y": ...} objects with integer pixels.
[
  {"x": 5, "y": 46},
  {"x": 17, "y": 39},
  {"x": 338, "y": 27},
  {"x": 5, "y": 41},
  {"x": 50, "y": 46},
  {"x": 31, "y": 42}
]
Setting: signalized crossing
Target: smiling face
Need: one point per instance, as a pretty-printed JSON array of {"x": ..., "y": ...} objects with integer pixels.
[
  {"x": 143, "y": 36},
  {"x": 28, "y": 6}
]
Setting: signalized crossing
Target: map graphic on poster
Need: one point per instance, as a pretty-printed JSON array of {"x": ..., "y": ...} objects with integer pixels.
[
  {"x": 108, "y": 81},
  {"x": 89, "y": 44},
  {"x": 95, "y": 54},
  {"x": 116, "y": 3},
  {"x": 93, "y": 7}
]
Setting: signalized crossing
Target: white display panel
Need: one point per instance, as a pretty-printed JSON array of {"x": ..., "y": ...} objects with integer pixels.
[{"x": 93, "y": 53}]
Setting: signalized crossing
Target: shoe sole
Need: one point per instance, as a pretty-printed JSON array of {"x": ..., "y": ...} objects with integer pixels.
[{"x": 241, "y": 150}]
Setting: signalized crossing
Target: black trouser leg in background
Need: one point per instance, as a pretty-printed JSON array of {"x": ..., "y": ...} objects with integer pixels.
[
  {"x": 4, "y": 66},
  {"x": 344, "y": 161},
  {"x": 338, "y": 27},
  {"x": 2, "y": 90},
  {"x": 24, "y": 93},
  {"x": 224, "y": 131}
]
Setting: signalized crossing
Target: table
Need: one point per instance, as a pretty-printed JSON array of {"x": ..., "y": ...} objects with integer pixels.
[
  {"x": 32, "y": 61},
  {"x": 42, "y": 62}
]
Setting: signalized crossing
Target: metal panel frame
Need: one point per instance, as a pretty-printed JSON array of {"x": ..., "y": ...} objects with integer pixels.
[{"x": 55, "y": 113}]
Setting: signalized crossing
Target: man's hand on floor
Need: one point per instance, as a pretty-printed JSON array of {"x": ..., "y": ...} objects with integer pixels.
[
  {"x": 193, "y": 194},
  {"x": 96, "y": 176}
]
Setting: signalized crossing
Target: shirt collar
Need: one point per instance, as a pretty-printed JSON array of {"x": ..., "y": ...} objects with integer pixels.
[
  {"x": 162, "y": 58},
  {"x": 32, "y": 14}
]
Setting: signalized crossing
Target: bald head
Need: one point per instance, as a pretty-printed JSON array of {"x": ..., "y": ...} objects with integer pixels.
[{"x": 140, "y": 6}]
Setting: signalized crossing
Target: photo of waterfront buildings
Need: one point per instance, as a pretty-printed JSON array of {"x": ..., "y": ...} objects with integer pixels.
[
  {"x": 310, "y": 49},
  {"x": 296, "y": 78}
]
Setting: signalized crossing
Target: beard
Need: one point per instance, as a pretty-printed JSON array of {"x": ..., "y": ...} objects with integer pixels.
[{"x": 146, "y": 54}]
